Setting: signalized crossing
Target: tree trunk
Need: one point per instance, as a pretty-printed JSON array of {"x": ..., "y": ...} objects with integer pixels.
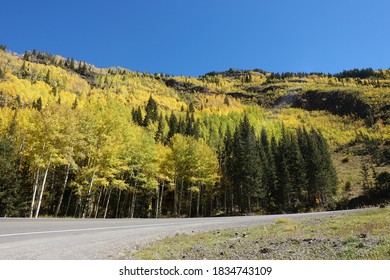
[
  {"x": 130, "y": 212},
  {"x": 68, "y": 204},
  {"x": 157, "y": 199},
  {"x": 225, "y": 200},
  {"x": 241, "y": 198},
  {"x": 108, "y": 202},
  {"x": 42, "y": 190},
  {"x": 161, "y": 197},
  {"x": 125, "y": 199},
  {"x": 117, "y": 205},
  {"x": 198, "y": 203},
  {"x": 86, "y": 209},
  {"x": 34, "y": 193},
  {"x": 180, "y": 197},
  {"x": 63, "y": 190},
  {"x": 132, "y": 206},
  {"x": 190, "y": 205},
  {"x": 98, "y": 204},
  {"x": 175, "y": 200},
  {"x": 211, "y": 205},
  {"x": 78, "y": 205},
  {"x": 249, "y": 204}
]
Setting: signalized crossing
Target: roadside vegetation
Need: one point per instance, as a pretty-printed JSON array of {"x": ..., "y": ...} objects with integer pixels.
[{"x": 359, "y": 236}]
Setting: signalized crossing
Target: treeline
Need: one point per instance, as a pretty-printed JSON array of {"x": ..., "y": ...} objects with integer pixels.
[
  {"x": 46, "y": 58},
  {"x": 363, "y": 73}
]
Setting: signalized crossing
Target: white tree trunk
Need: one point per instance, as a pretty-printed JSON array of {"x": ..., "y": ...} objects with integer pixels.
[
  {"x": 34, "y": 193},
  {"x": 86, "y": 209},
  {"x": 63, "y": 190},
  {"x": 108, "y": 202},
  {"x": 161, "y": 197},
  {"x": 98, "y": 203},
  {"x": 157, "y": 199},
  {"x": 42, "y": 190},
  {"x": 198, "y": 202}
]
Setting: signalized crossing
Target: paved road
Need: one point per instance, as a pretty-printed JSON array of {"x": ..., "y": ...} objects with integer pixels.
[{"x": 78, "y": 239}]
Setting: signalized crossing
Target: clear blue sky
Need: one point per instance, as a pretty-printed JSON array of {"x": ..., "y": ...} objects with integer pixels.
[{"x": 194, "y": 37}]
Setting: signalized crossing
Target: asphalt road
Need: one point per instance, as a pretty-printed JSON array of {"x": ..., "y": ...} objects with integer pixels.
[{"x": 77, "y": 239}]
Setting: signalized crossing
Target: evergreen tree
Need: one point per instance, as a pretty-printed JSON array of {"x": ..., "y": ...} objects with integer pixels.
[
  {"x": 191, "y": 107},
  {"x": 297, "y": 171},
  {"x": 9, "y": 178},
  {"x": 136, "y": 115},
  {"x": 226, "y": 162},
  {"x": 38, "y": 104},
  {"x": 24, "y": 71},
  {"x": 159, "y": 137},
  {"x": 196, "y": 130},
  {"x": 74, "y": 104},
  {"x": 253, "y": 172},
  {"x": 320, "y": 173},
  {"x": 151, "y": 112},
  {"x": 284, "y": 186},
  {"x": 173, "y": 126},
  {"x": 268, "y": 166},
  {"x": 273, "y": 184},
  {"x": 237, "y": 169},
  {"x": 247, "y": 172},
  {"x": 328, "y": 175},
  {"x": 47, "y": 77},
  {"x": 71, "y": 64},
  {"x": 264, "y": 139},
  {"x": 189, "y": 124},
  {"x": 181, "y": 127}
]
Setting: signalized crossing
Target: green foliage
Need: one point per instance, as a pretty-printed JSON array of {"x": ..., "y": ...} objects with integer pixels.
[
  {"x": 9, "y": 178},
  {"x": 151, "y": 112},
  {"x": 382, "y": 181},
  {"x": 356, "y": 73}
]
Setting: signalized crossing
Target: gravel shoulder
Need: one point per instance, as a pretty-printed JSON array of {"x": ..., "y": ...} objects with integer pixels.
[
  {"x": 361, "y": 235},
  {"x": 77, "y": 239}
]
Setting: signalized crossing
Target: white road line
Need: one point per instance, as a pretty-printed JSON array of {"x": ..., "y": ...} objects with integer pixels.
[{"x": 85, "y": 229}]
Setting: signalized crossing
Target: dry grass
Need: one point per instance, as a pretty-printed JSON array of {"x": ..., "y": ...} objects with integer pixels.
[{"x": 365, "y": 235}]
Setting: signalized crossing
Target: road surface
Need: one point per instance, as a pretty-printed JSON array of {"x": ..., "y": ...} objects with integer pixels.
[{"x": 77, "y": 239}]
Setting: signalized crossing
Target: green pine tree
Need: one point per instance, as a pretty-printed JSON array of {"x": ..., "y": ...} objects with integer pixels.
[
  {"x": 159, "y": 137},
  {"x": 151, "y": 112},
  {"x": 173, "y": 126},
  {"x": 9, "y": 177}
]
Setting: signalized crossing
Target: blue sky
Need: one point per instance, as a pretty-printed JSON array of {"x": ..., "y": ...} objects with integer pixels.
[{"x": 195, "y": 37}]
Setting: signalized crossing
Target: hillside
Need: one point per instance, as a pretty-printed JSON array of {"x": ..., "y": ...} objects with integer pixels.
[{"x": 81, "y": 141}]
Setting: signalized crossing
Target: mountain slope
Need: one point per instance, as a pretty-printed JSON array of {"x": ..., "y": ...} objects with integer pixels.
[{"x": 99, "y": 142}]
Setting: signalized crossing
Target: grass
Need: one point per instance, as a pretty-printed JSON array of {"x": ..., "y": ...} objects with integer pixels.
[{"x": 364, "y": 235}]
